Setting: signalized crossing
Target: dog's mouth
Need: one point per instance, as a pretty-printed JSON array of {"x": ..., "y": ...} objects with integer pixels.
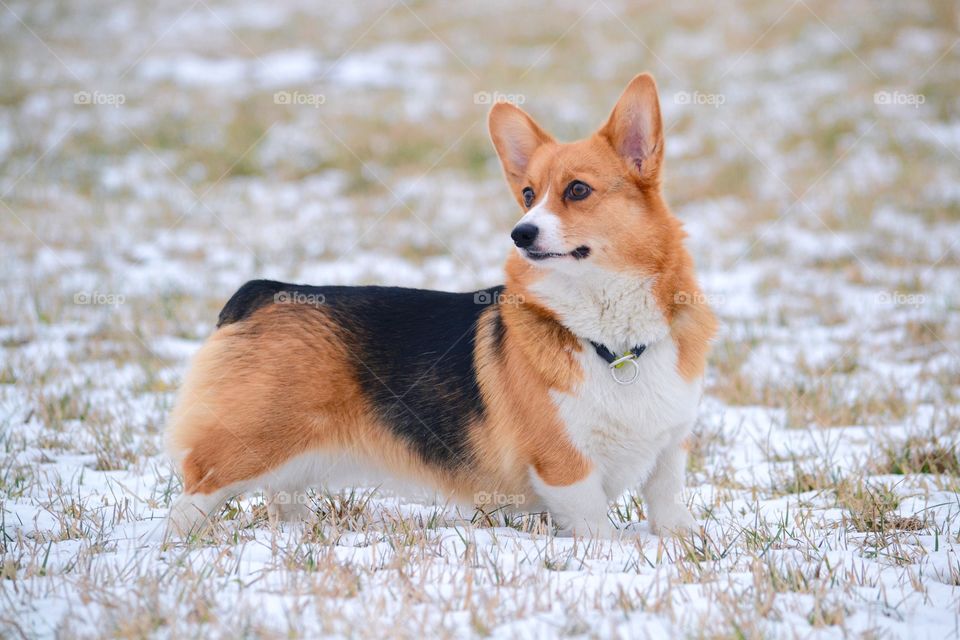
[{"x": 579, "y": 253}]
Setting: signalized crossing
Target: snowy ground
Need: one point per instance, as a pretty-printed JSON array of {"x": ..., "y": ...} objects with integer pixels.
[{"x": 156, "y": 155}]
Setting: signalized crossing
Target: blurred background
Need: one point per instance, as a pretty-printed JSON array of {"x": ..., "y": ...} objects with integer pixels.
[{"x": 154, "y": 156}]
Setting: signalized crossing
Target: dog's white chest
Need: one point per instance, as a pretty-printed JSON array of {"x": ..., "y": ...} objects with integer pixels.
[{"x": 623, "y": 427}]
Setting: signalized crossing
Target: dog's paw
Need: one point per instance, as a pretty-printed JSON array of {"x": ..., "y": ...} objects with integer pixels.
[
  {"x": 584, "y": 529},
  {"x": 677, "y": 521},
  {"x": 190, "y": 513}
]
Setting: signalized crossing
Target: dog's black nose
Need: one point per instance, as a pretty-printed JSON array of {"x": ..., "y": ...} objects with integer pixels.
[{"x": 524, "y": 234}]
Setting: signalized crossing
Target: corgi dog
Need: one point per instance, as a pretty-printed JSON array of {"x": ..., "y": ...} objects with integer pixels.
[{"x": 576, "y": 380}]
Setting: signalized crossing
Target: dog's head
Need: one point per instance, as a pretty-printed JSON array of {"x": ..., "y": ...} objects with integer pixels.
[{"x": 591, "y": 203}]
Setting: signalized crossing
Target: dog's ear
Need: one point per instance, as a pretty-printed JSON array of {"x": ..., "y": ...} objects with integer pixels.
[
  {"x": 516, "y": 137},
  {"x": 635, "y": 129}
]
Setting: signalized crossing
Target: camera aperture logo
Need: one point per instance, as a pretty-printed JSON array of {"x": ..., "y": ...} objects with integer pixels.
[
  {"x": 299, "y": 98},
  {"x": 299, "y": 297}
]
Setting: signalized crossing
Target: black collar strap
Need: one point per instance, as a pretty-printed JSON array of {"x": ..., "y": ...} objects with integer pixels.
[{"x": 607, "y": 355}]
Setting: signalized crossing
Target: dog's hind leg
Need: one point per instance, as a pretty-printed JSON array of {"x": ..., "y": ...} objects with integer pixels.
[
  {"x": 191, "y": 511},
  {"x": 287, "y": 506},
  {"x": 286, "y": 489}
]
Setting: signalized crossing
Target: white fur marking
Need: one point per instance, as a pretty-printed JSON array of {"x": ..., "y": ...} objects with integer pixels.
[
  {"x": 285, "y": 488},
  {"x": 663, "y": 492},
  {"x": 580, "y": 507},
  {"x": 623, "y": 429},
  {"x": 615, "y": 309},
  {"x": 550, "y": 237}
]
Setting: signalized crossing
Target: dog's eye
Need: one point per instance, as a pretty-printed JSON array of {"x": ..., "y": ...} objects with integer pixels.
[
  {"x": 577, "y": 190},
  {"x": 528, "y": 196}
]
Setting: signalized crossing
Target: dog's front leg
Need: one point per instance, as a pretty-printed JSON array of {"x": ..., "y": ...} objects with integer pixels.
[
  {"x": 662, "y": 492},
  {"x": 578, "y": 506}
]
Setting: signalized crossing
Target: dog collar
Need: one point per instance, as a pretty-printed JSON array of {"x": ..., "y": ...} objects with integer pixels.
[{"x": 616, "y": 363}]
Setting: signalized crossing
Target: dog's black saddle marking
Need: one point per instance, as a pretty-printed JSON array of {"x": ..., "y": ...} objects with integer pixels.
[{"x": 412, "y": 351}]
